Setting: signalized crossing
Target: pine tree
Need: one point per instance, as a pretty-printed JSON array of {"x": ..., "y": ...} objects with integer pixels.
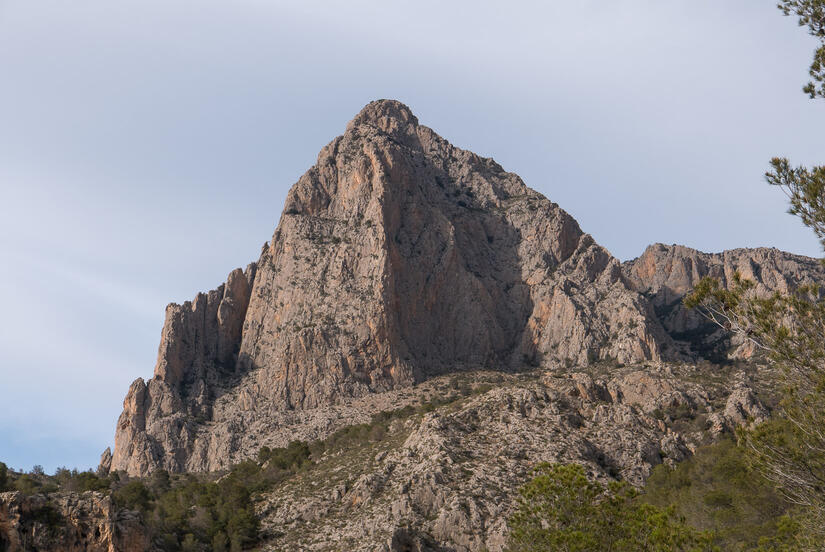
[{"x": 790, "y": 448}]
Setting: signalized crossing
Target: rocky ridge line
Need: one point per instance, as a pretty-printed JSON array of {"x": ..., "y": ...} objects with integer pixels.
[
  {"x": 664, "y": 274},
  {"x": 398, "y": 257}
]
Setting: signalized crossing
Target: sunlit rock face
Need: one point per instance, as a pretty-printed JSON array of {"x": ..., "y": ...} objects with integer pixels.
[
  {"x": 398, "y": 257},
  {"x": 85, "y": 522},
  {"x": 666, "y": 273}
]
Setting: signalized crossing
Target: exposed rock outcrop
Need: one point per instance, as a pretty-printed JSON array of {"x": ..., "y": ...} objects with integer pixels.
[
  {"x": 69, "y": 522},
  {"x": 666, "y": 273},
  {"x": 741, "y": 408},
  {"x": 196, "y": 360},
  {"x": 105, "y": 465},
  {"x": 447, "y": 480},
  {"x": 398, "y": 257}
]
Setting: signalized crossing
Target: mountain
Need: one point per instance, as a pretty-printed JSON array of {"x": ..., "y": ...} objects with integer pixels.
[
  {"x": 421, "y": 330},
  {"x": 398, "y": 257},
  {"x": 665, "y": 274}
]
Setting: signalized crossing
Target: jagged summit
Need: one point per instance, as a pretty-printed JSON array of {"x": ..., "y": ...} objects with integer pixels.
[
  {"x": 388, "y": 116},
  {"x": 666, "y": 273},
  {"x": 675, "y": 269},
  {"x": 385, "y": 142},
  {"x": 398, "y": 258},
  {"x": 659, "y": 248}
]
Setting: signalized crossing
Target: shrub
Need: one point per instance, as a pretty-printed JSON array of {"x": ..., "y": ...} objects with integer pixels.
[
  {"x": 87, "y": 481},
  {"x": 133, "y": 496},
  {"x": 195, "y": 513},
  {"x": 220, "y": 542},
  {"x": 560, "y": 509},
  {"x": 49, "y": 516},
  {"x": 159, "y": 482},
  {"x": 27, "y": 484},
  {"x": 295, "y": 455},
  {"x": 717, "y": 490},
  {"x": 264, "y": 454}
]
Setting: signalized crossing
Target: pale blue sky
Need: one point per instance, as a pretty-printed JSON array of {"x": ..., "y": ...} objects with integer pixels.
[{"x": 146, "y": 148}]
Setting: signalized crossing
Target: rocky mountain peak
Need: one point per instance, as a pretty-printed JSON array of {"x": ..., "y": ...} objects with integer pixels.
[
  {"x": 389, "y": 116},
  {"x": 398, "y": 258}
]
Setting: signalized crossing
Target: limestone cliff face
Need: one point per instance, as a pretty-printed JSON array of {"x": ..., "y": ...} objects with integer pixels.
[
  {"x": 198, "y": 352},
  {"x": 398, "y": 257},
  {"x": 69, "y": 522},
  {"x": 666, "y": 273}
]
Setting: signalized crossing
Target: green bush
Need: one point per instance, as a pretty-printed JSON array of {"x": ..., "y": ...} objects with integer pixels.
[
  {"x": 220, "y": 542},
  {"x": 160, "y": 482},
  {"x": 28, "y": 484},
  {"x": 390, "y": 415},
  {"x": 133, "y": 496},
  {"x": 192, "y": 512},
  {"x": 4, "y": 477},
  {"x": 717, "y": 490},
  {"x": 72, "y": 480},
  {"x": 295, "y": 455},
  {"x": 49, "y": 516},
  {"x": 560, "y": 509}
]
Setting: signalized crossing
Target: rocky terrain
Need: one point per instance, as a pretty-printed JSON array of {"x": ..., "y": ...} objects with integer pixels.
[
  {"x": 416, "y": 281},
  {"x": 441, "y": 475},
  {"x": 664, "y": 274},
  {"x": 69, "y": 522},
  {"x": 446, "y": 480}
]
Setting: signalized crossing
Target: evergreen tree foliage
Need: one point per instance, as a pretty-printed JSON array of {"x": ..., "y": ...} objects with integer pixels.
[
  {"x": 717, "y": 490},
  {"x": 561, "y": 510},
  {"x": 789, "y": 449},
  {"x": 811, "y": 14}
]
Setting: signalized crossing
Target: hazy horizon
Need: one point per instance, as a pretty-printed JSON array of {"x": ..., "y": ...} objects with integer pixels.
[{"x": 146, "y": 149}]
